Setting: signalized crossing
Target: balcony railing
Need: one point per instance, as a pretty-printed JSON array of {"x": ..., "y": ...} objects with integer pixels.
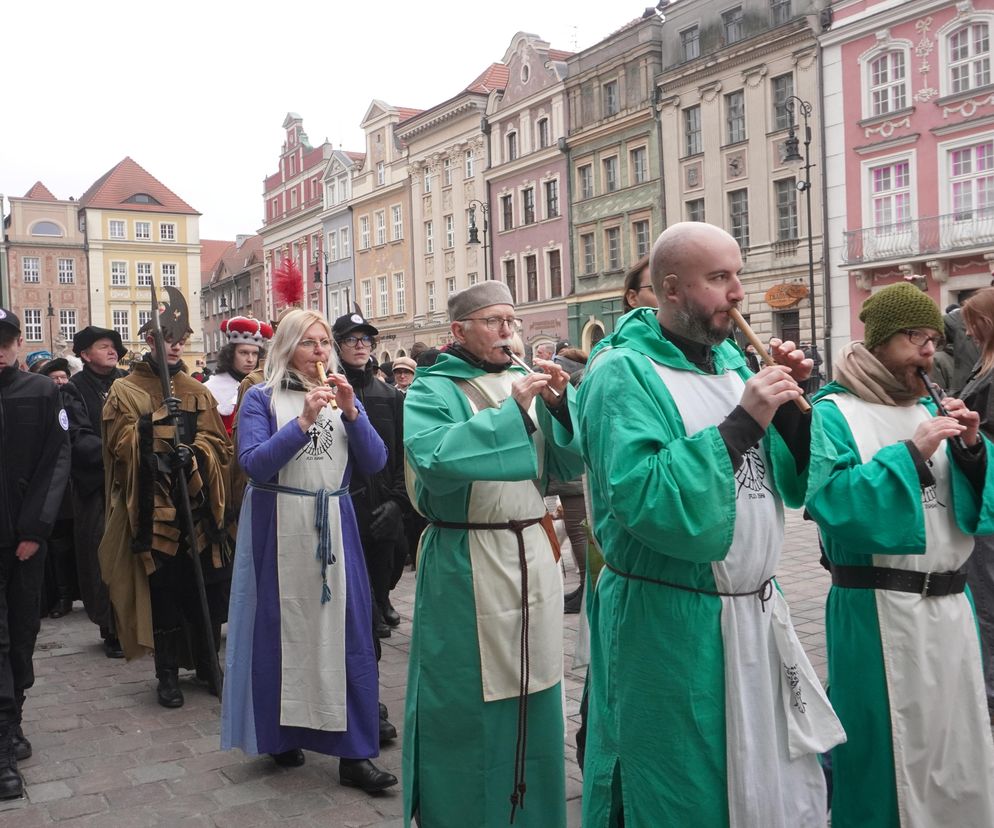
[{"x": 921, "y": 237}]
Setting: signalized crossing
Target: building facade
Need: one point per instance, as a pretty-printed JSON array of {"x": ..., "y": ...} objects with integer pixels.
[
  {"x": 46, "y": 260},
  {"x": 909, "y": 108},
  {"x": 337, "y": 267},
  {"x": 613, "y": 157},
  {"x": 733, "y": 83},
  {"x": 447, "y": 155},
  {"x": 526, "y": 183},
  {"x": 137, "y": 229},
  {"x": 234, "y": 286}
]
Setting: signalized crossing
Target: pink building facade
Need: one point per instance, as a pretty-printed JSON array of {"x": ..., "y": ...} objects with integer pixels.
[{"x": 909, "y": 127}]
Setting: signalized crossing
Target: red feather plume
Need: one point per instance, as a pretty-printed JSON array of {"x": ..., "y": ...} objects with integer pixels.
[{"x": 288, "y": 283}]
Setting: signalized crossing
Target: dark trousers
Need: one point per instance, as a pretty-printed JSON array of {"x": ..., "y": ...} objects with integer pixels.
[
  {"x": 20, "y": 620},
  {"x": 88, "y": 527},
  {"x": 60, "y": 567}
]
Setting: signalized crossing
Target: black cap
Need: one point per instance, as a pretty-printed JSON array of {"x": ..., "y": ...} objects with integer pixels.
[
  {"x": 57, "y": 364},
  {"x": 562, "y": 343},
  {"x": 91, "y": 333},
  {"x": 8, "y": 319},
  {"x": 350, "y": 322}
]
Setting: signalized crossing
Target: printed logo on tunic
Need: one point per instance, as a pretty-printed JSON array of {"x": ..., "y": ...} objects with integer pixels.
[
  {"x": 930, "y": 498},
  {"x": 794, "y": 680},
  {"x": 320, "y": 442},
  {"x": 63, "y": 419},
  {"x": 751, "y": 476}
]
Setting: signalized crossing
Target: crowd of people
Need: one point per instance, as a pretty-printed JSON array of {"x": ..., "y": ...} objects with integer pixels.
[{"x": 285, "y": 495}]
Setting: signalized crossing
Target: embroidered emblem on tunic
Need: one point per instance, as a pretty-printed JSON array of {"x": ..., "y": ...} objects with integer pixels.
[
  {"x": 930, "y": 499},
  {"x": 751, "y": 475},
  {"x": 794, "y": 680},
  {"x": 321, "y": 440}
]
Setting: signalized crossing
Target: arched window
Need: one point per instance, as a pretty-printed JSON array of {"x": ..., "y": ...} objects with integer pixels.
[
  {"x": 46, "y": 228},
  {"x": 969, "y": 57},
  {"x": 384, "y": 357}
]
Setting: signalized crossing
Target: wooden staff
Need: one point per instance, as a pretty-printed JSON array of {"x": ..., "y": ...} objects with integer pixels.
[
  {"x": 754, "y": 340},
  {"x": 324, "y": 380}
]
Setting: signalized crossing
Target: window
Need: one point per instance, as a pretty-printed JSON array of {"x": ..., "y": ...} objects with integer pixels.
[
  {"x": 690, "y": 42},
  {"x": 786, "y": 200},
  {"x": 552, "y": 198},
  {"x": 531, "y": 277},
  {"x": 473, "y": 278},
  {"x": 543, "y": 133},
  {"x": 427, "y": 181},
  {"x": 381, "y": 174},
  {"x": 969, "y": 57},
  {"x": 293, "y": 198},
  {"x": 470, "y": 163},
  {"x": 512, "y": 146},
  {"x": 450, "y": 285},
  {"x": 380, "y": 218},
  {"x": 67, "y": 323},
  {"x": 367, "y": 298},
  {"x": 692, "y": 129},
  {"x": 506, "y": 212},
  {"x": 972, "y": 179},
  {"x": 45, "y": 228},
  {"x": 122, "y": 323},
  {"x": 890, "y": 188},
  {"x": 888, "y": 87},
  {"x": 332, "y": 191},
  {"x": 143, "y": 274},
  {"x": 118, "y": 274},
  {"x": 450, "y": 231},
  {"x": 67, "y": 271},
  {"x": 344, "y": 239},
  {"x": 333, "y": 246},
  {"x": 381, "y": 286},
  {"x": 641, "y": 231},
  {"x": 399, "y": 287},
  {"x": 611, "y": 102},
  {"x": 610, "y": 174},
  {"x": 779, "y": 12},
  {"x": 640, "y": 165},
  {"x": 145, "y": 316},
  {"x": 429, "y": 238},
  {"x": 735, "y": 120},
  {"x": 612, "y": 248},
  {"x": 695, "y": 210},
  {"x": 363, "y": 232},
  {"x": 782, "y": 87},
  {"x": 167, "y": 232},
  {"x": 143, "y": 230},
  {"x": 32, "y": 324},
  {"x": 511, "y": 279},
  {"x": 586, "y": 176},
  {"x": 555, "y": 274},
  {"x": 396, "y": 223},
  {"x": 731, "y": 20},
  {"x": 528, "y": 203},
  {"x": 589, "y": 258},
  {"x": 31, "y": 269},
  {"x": 446, "y": 172},
  {"x": 169, "y": 275},
  {"x": 116, "y": 229},
  {"x": 738, "y": 217},
  {"x": 430, "y": 294}
]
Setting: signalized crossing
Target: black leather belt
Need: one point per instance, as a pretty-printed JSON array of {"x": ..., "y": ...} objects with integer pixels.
[{"x": 926, "y": 584}]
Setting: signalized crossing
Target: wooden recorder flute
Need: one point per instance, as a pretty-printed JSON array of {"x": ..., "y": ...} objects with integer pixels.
[
  {"x": 930, "y": 387},
  {"x": 324, "y": 380},
  {"x": 522, "y": 364},
  {"x": 764, "y": 355}
]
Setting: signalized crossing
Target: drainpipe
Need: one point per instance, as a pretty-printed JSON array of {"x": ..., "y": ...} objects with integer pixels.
[
  {"x": 825, "y": 274},
  {"x": 566, "y": 150}
]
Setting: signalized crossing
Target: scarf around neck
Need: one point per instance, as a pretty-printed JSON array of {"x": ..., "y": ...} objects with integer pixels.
[{"x": 867, "y": 377}]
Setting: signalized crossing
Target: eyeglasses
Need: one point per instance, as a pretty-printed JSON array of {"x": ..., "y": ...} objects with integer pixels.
[
  {"x": 353, "y": 341},
  {"x": 646, "y": 286},
  {"x": 312, "y": 344},
  {"x": 920, "y": 339},
  {"x": 494, "y": 323}
]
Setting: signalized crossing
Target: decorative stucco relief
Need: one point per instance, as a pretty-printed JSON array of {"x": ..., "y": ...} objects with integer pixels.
[
  {"x": 967, "y": 108},
  {"x": 885, "y": 130},
  {"x": 924, "y": 49}
]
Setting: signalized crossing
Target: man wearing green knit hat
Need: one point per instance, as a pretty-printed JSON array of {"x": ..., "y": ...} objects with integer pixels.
[{"x": 911, "y": 485}]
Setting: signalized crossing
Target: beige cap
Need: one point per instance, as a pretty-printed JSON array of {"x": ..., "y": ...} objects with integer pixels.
[{"x": 405, "y": 362}]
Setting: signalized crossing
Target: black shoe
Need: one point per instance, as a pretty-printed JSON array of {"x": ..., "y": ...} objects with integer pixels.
[
  {"x": 11, "y": 783},
  {"x": 168, "y": 691},
  {"x": 361, "y": 773},
  {"x": 384, "y": 713},
  {"x": 387, "y": 732},
  {"x": 289, "y": 758},
  {"x": 391, "y": 616},
  {"x": 571, "y": 603},
  {"x": 381, "y": 630},
  {"x": 61, "y": 607},
  {"x": 112, "y": 647},
  {"x": 22, "y": 747}
]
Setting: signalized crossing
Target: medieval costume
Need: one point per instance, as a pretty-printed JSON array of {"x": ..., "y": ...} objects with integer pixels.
[
  {"x": 484, "y": 712},
  {"x": 224, "y": 384},
  {"x": 704, "y": 708}
]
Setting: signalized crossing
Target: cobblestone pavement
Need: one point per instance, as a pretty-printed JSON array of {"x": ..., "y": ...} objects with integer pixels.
[{"x": 106, "y": 754}]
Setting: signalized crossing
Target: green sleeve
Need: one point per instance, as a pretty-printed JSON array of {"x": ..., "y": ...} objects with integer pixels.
[
  {"x": 871, "y": 508},
  {"x": 674, "y": 494},
  {"x": 449, "y": 446},
  {"x": 974, "y": 515},
  {"x": 562, "y": 446}
]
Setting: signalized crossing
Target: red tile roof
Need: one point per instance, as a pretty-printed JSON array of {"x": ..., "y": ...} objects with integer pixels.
[
  {"x": 211, "y": 251},
  {"x": 493, "y": 77},
  {"x": 236, "y": 259},
  {"x": 559, "y": 54},
  {"x": 39, "y": 192},
  {"x": 358, "y": 157},
  {"x": 406, "y": 112},
  {"x": 113, "y": 189}
]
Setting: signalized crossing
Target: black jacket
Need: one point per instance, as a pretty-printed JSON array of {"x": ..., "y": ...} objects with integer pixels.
[
  {"x": 34, "y": 456},
  {"x": 84, "y": 397},
  {"x": 385, "y": 408}
]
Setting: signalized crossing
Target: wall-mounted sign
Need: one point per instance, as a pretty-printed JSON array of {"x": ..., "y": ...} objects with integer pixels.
[{"x": 785, "y": 295}]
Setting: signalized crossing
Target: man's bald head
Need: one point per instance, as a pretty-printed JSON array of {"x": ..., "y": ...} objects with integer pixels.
[{"x": 680, "y": 245}]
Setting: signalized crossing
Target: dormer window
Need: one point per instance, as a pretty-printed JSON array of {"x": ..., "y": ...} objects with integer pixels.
[
  {"x": 46, "y": 228},
  {"x": 143, "y": 198}
]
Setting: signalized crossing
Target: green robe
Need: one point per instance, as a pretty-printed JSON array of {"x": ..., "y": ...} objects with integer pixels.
[
  {"x": 875, "y": 508},
  {"x": 663, "y": 508},
  {"x": 459, "y": 749}
]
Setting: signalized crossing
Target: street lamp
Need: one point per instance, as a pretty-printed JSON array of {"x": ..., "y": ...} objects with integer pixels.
[
  {"x": 51, "y": 316},
  {"x": 793, "y": 156},
  {"x": 474, "y": 236}
]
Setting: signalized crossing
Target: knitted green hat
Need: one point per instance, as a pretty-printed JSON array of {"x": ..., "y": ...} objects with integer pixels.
[{"x": 895, "y": 308}]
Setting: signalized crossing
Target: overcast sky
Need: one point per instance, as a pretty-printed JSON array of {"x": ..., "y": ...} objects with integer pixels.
[{"x": 196, "y": 92}]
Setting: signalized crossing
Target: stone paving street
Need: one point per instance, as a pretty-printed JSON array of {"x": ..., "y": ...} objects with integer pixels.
[{"x": 106, "y": 754}]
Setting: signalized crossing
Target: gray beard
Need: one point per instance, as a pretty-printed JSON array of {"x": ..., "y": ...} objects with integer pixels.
[{"x": 698, "y": 327}]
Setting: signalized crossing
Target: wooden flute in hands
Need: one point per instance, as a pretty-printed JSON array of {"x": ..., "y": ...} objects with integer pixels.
[
  {"x": 750, "y": 334},
  {"x": 323, "y": 377}
]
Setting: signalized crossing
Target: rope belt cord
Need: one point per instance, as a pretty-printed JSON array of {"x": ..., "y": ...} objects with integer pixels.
[
  {"x": 322, "y": 522},
  {"x": 524, "y": 674},
  {"x": 764, "y": 592}
]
